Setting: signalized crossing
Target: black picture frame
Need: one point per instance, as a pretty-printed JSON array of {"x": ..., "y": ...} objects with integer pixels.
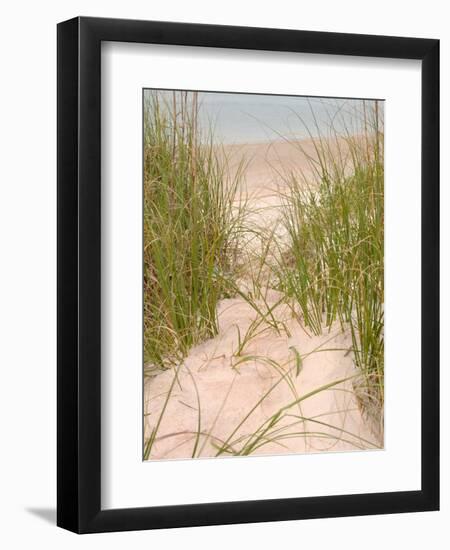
[{"x": 79, "y": 276}]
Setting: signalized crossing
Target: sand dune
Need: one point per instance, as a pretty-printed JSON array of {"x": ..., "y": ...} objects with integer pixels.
[
  {"x": 227, "y": 392},
  {"x": 212, "y": 380}
]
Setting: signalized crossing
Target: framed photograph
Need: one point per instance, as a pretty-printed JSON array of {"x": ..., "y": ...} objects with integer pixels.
[{"x": 248, "y": 275}]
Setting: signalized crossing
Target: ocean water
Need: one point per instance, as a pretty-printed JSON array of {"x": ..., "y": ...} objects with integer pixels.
[{"x": 250, "y": 118}]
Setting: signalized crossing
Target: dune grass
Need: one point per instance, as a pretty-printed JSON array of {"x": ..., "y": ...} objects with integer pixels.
[
  {"x": 189, "y": 228},
  {"x": 334, "y": 266}
]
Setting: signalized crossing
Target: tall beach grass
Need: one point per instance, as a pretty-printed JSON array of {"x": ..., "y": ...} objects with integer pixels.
[
  {"x": 189, "y": 228},
  {"x": 334, "y": 266}
]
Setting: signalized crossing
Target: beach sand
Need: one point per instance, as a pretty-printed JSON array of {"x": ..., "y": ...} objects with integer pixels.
[{"x": 226, "y": 392}]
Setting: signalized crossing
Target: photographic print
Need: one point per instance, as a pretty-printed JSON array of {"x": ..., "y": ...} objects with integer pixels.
[
  {"x": 221, "y": 274},
  {"x": 263, "y": 274}
]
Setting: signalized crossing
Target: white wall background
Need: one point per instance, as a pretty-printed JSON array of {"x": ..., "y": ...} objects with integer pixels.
[{"x": 28, "y": 269}]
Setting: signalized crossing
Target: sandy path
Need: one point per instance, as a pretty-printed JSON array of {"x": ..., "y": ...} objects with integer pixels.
[{"x": 229, "y": 392}]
